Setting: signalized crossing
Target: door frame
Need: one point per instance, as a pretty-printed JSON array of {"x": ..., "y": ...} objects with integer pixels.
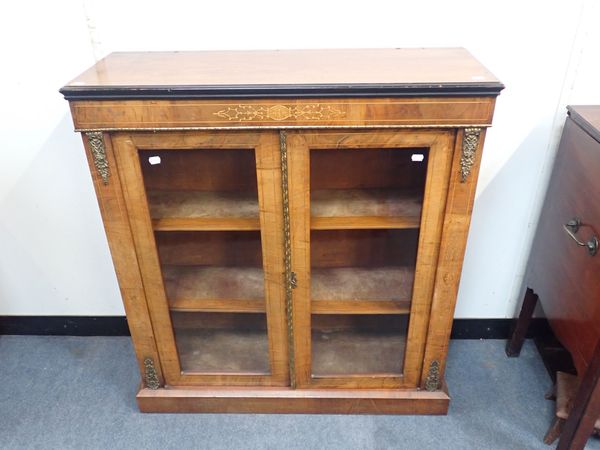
[
  {"x": 441, "y": 145},
  {"x": 265, "y": 144}
]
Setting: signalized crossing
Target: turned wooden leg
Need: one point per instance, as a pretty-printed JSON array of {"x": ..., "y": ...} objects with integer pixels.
[
  {"x": 554, "y": 431},
  {"x": 515, "y": 343},
  {"x": 586, "y": 408}
]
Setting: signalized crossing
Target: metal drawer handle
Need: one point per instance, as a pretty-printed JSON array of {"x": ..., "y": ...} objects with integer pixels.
[{"x": 572, "y": 227}]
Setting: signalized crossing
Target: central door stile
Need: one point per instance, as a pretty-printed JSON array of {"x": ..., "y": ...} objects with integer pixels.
[{"x": 290, "y": 277}]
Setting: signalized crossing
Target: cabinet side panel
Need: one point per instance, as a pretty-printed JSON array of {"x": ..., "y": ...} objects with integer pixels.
[
  {"x": 120, "y": 241},
  {"x": 454, "y": 238}
]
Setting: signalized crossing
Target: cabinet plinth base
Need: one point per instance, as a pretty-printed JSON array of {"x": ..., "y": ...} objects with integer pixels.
[{"x": 288, "y": 401}]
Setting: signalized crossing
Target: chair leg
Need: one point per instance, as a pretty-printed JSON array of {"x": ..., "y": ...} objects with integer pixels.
[
  {"x": 554, "y": 431},
  {"x": 551, "y": 394},
  {"x": 586, "y": 408},
  {"x": 515, "y": 343}
]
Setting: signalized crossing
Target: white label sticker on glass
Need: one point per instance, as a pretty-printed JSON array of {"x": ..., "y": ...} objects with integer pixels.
[
  {"x": 153, "y": 160},
  {"x": 418, "y": 157}
]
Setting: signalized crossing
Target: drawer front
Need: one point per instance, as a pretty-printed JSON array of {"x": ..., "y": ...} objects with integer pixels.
[{"x": 565, "y": 274}]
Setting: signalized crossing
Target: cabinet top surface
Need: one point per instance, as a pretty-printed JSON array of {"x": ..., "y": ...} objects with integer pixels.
[
  {"x": 285, "y": 73},
  {"x": 588, "y": 118}
]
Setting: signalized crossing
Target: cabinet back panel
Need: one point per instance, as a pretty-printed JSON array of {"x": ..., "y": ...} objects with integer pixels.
[
  {"x": 367, "y": 168},
  {"x": 354, "y": 322},
  {"x": 363, "y": 248},
  {"x": 200, "y": 170},
  {"x": 221, "y": 248},
  {"x": 215, "y": 321}
]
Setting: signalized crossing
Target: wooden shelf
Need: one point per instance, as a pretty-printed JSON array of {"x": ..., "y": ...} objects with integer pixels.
[
  {"x": 351, "y": 290},
  {"x": 360, "y": 307},
  {"x": 333, "y": 209},
  {"x": 384, "y": 290},
  {"x": 208, "y": 288},
  {"x": 221, "y": 343},
  {"x": 351, "y": 352},
  {"x": 223, "y": 350},
  {"x": 330, "y": 210},
  {"x": 199, "y": 210}
]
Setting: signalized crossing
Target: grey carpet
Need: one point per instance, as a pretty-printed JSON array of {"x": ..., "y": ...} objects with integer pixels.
[{"x": 78, "y": 393}]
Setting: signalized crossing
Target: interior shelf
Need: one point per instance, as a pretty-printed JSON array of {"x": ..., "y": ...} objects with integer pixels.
[
  {"x": 351, "y": 352},
  {"x": 358, "y": 290},
  {"x": 223, "y": 351},
  {"x": 360, "y": 307},
  {"x": 350, "y": 345},
  {"x": 330, "y": 209},
  {"x": 208, "y": 288},
  {"x": 201, "y": 210},
  {"x": 365, "y": 208},
  {"x": 222, "y": 343}
]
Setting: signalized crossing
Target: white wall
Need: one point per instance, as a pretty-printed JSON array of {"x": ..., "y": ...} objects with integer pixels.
[{"x": 54, "y": 258}]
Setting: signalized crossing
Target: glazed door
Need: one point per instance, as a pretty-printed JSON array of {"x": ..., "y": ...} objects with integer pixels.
[
  {"x": 366, "y": 212},
  {"x": 206, "y": 214}
]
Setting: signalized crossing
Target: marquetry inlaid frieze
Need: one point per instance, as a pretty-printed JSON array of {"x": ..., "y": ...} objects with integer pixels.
[{"x": 311, "y": 111}]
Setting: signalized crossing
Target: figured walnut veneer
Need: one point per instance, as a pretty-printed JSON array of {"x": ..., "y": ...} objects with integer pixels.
[{"x": 287, "y": 227}]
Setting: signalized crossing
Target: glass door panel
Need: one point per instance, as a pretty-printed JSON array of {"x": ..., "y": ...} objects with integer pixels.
[
  {"x": 201, "y": 189},
  {"x": 365, "y": 215},
  {"x": 353, "y": 344},
  {"x": 203, "y": 204},
  {"x": 362, "y": 270},
  {"x": 221, "y": 342}
]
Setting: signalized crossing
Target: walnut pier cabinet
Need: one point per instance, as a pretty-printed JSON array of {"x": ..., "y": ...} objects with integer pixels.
[{"x": 287, "y": 227}]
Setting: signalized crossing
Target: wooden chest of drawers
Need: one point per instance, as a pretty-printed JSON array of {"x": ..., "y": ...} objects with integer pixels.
[
  {"x": 564, "y": 265},
  {"x": 564, "y": 270},
  {"x": 287, "y": 227}
]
